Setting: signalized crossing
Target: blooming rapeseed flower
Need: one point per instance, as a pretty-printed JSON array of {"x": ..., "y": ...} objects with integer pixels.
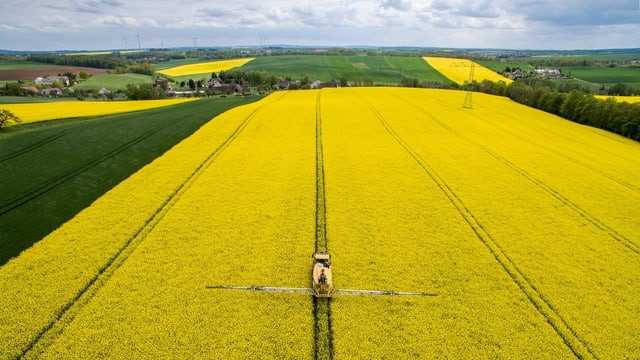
[
  {"x": 523, "y": 223},
  {"x": 202, "y": 68},
  {"x": 459, "y": 70},
  {"x": 33, "y": 112}
]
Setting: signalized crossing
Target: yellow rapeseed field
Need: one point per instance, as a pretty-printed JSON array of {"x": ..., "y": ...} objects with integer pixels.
[
  {"x": 32, "y": 112},
  {"x": 165, "y": 212},
  {"x": 524, "y": 224},
  {"x": 203, "y": 68},
  {"x": 390, "y": 227},
  {"x": 91, "y": 53},
  {"x": 458, "y": 70},
  {"x": 556, "y": 210},
  {"x": 629, "y": 99}
]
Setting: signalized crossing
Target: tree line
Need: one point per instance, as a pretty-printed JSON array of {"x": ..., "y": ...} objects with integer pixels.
[
  {"x": 619, "y": 117},
  {"x": 116, "y": 64},
  {"x": 567, "y": 100}
]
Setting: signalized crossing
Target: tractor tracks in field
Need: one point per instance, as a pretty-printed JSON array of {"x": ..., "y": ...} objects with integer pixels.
[
  {"x": 55, "y": 181},
  {"x": 593, "y": 220},
  {"x": 597, "y": 170},
  {"x": 321, "y": 210},
  {"x": 574, "y": 342},
  {"x": 67, "y": 313},
  {"x": 35, "y": 145},
  {"x": 322, "y": 330}
]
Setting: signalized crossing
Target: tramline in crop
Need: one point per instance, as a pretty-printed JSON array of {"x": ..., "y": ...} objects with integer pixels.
[{"x": 407, "y": 191}]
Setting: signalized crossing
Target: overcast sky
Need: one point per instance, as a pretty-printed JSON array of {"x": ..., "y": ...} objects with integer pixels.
[{"x": 519, "y": 24}]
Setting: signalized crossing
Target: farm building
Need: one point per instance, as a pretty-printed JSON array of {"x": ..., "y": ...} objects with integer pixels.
[
  {"x": 49, "y": 80},
  {"x": 51, "y": 92},
  {"x": 29, "y": 90}
]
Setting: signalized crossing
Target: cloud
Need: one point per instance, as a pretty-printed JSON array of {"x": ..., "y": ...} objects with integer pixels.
[
  {"x": 8, "y": 27},
  {"x": 83, "y": 6},
  {"x": 472, "y": 9},
  {"x": 575, "y": 12},
  {"x": 400, "y": 5},
  {"x": 117, "y": 20},
  {"x": 448, "y": 23}
]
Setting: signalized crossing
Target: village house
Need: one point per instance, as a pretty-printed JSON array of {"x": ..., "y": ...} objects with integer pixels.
[
  {"x": 51, "y": 92},
  {"x": 215, "y": 85},
  {"x": 284, "y": 85},
  {"x": 162, "y": 83},
  {"x": 49, "y": 80},
  {"x": 547, "y": 73},
  {"x": 29, "y": 90},
  {"x": 327, "y": 84},
  {"x": 515, "y": 74}
]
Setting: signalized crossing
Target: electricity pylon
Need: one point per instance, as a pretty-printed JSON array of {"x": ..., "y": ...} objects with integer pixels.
[{"x": 468, "y": 98}]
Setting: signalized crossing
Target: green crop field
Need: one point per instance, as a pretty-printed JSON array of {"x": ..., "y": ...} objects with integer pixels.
[
  {"x": 49, "y": 172},
  {"x": 18, "y": 64},
  {"x": 605, "y": 75},
  {"x": 31, "y": 99},
  {"x": 113, "y": 81},
  {"x": 598, "y": 75},
  {"x": 626, "y": 55},
  {"x": 388, "y": 70},
  {"x": 500, "y": 65}
]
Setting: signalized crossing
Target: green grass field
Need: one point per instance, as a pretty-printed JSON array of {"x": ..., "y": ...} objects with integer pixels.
[
  {"x": 113, "y": 81},
  {"x": 18, "y": 64},
  {"x": 388, "y": 70},
  {"x": 31, "y": 99},
  {"x": 605, "y": 75},
  {"x": 596, "y": 76},
  {"x": 500, "y": 65},
  {"x": 50, "y": 171},
  {"x": 600, "y": 56}
]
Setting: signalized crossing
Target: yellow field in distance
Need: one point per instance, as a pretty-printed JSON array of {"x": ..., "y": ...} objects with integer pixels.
[
  {"x": 202, "y": 68},
  {"x": 94, "y": 53},
  {"x": 91, "y": 53},
  {"x": 33, "y": 112},
  {"x": 629, "y": 99},
  {"x": 458, "y": 70}
]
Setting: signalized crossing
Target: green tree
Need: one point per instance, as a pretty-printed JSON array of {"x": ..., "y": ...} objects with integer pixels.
[
  {"x": 410, "y": 82},
  {"x": 551, "y": 102},
  {"x": 7, "y": 117},
  {"x": 144, "y": 92},
  {"x": 12, "y": 89},
  {"x": 571, "y": 105},
  {"x": 620, "y": 89}
]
